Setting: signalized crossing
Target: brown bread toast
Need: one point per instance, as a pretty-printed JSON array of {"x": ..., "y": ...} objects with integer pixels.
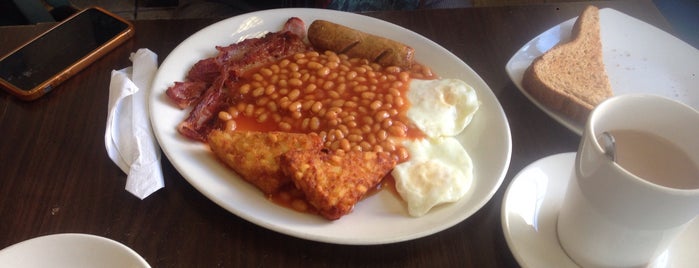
[{"x": 570, "y": 78}]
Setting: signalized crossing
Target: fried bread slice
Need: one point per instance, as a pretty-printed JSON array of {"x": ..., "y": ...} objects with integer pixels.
[
  {"x": 334, "y": 182},
  {"x": 255, "y": 155},
  {"x": 570, "y": 77}
]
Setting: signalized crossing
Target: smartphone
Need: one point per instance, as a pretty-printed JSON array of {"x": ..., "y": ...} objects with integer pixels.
[{"x": 42, "y": 63}]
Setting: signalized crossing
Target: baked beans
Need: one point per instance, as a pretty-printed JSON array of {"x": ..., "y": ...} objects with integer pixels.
[{"x": 351, "y": 103}]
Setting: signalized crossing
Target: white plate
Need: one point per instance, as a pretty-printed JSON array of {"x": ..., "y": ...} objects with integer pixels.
[
  {"x": 638, "y": 57},
  {"x": 381, "y": 218},
  {"x": 70, "y": 250},
  {"x": 530, "y": 209}
]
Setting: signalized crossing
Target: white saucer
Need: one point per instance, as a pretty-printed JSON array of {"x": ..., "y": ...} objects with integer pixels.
[
  {"x": 529, "y": 212},
  {"x": 70, "y": 250}
]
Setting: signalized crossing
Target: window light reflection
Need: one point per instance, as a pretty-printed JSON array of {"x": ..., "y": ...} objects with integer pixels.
[
  {"x": 530, "y": 195},
  {"x": 248, "y": 24}
]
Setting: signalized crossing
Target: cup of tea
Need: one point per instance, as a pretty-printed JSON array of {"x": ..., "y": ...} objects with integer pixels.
[{"x": 626, "y": 203}]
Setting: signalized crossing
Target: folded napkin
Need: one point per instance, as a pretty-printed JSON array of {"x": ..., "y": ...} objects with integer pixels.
[{"x": 128, "y": 137}]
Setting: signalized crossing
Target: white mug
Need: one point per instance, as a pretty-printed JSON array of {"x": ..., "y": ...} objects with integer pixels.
[{"x": 611, "y": 217}]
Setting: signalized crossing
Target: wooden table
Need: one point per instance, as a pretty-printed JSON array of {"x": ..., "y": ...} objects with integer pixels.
[{"x": 56, "y": 177}]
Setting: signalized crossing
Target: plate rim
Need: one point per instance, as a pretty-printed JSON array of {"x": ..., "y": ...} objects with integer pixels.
[
  {"x": 346, "y": 240},
  {"x": 506, "y": 223},
  {"x": 72, "y": 237}
]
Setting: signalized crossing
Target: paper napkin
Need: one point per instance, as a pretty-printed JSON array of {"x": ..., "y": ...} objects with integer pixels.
[{"x": 128, "y": 137}]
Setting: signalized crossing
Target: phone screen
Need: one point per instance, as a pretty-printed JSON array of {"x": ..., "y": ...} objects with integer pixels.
[{"x": 59, "y": 48}]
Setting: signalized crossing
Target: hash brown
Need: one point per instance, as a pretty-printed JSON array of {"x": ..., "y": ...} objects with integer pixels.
[
  {"x": 334, "y": 182},
  {"x": 255, "y": 155}
]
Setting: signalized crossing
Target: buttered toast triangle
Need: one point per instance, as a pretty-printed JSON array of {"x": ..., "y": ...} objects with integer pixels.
[{"x": 570, "y": 78}]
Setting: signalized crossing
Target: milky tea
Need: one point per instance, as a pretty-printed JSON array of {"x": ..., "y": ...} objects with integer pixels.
[
  {"x": 655, "y": 159},
  {"x": 628, "y": 212}
]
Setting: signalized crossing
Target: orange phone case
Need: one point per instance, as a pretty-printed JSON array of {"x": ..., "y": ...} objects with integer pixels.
[{"x": 74, "y": 68}]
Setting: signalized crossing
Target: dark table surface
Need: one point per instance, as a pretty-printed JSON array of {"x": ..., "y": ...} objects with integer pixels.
[{"x": 56, "y": 177}]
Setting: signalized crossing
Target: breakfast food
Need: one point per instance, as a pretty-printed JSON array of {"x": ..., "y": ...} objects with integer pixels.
[
  {"x": 255, "y": 155},
  {"x": 438, "y": 171},
  {"x": 317, "y": 130},
  {"x": 350, "y": 103},
  {"x": 441, "y": 107},
  {"x": 326, "y": 35},
  {"x": 333, "y": 182},
  {"x": 209, "y": 82},
  {"x": 570, "y": 78}
]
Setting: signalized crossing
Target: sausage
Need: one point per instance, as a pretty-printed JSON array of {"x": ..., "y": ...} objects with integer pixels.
[{"x": 325, "y": 35}]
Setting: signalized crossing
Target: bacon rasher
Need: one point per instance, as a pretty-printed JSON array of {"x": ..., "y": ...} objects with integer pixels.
[{"x": 210, "y": 84}]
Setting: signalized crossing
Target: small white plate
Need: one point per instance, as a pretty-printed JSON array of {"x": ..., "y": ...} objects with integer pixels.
[
  {"x": 530, "y": 209},
  {"x": 374, "y": 220},
  {"x": 638, "y": 58},
  {"x": 70, "y": 250}
]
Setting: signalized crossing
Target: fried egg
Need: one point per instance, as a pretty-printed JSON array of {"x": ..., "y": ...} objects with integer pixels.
[
  {"x": 438, "y": 171},
  {"x": 441, "y": 107}
]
